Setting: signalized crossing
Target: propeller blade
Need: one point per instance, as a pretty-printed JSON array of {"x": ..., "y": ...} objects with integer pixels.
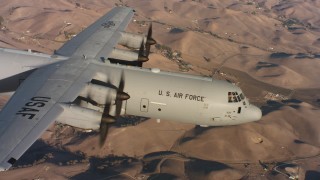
[
  {"x": 148, "y": 46},
  {"x": 121, "y": 83},
  {"x": 119, "y": 101},
  {"x": 141, "y": 55},
  {"x": 118, "y": 107},
  {"x": 105, "y": 120},
  {"x": 150, "y": 40},
  {"x": 149, "y": 31},
  {"x": 103, "y": 133},
  {"x": 106, "y": 84},
  {"x": 88, "y": 100},
  {"x": 141, "y": 49}
]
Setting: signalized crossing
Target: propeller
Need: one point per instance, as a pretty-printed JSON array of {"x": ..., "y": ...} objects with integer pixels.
[
  {"x": 107, "y": 119},
  {"x": 145, "y": 47}
]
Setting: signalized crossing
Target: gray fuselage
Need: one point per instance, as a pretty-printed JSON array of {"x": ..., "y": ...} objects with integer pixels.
[{"x": 153, "y": 93}]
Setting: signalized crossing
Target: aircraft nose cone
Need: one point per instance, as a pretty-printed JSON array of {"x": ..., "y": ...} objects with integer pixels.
[{"x": 255, "y": 113}]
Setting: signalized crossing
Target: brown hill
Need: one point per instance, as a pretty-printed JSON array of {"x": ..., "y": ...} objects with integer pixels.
[{"x": 256, "y": 44}]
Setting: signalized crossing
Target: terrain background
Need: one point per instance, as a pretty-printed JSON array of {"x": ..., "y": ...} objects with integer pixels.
[{"x": 271, "y": 49}]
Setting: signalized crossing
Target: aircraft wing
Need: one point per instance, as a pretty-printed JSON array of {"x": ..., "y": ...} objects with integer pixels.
[
  {"x": 37, "y": 102},
  {"x": 96, "y": 40}
]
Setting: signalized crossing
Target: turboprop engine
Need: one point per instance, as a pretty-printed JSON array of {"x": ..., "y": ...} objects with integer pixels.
[
  {"x": 129, "y": 56},
  {"x": 105, "y": 105},
  {"x": 133, "y": 41}
]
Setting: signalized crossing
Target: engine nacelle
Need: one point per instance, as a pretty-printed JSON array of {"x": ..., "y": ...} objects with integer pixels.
[
  {"x": 124, "y": 55},
  {"x": 80, "y": 117},
  {"x": 99, "y": 94},
  {"x": 127, "y": 56},
  {"x": 131, "y": 40}
]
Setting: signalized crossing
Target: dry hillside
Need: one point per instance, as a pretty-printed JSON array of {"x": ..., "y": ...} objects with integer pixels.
[{"x": 271, "y": 49}]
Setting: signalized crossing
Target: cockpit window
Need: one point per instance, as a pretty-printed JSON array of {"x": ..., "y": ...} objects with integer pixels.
[{"x": 234, "y": 97}]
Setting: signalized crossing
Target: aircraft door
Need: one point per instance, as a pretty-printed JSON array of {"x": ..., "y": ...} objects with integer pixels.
[{"x": 144, "y": 105}]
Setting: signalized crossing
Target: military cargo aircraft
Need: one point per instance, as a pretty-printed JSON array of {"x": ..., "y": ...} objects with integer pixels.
[{"x": 89, "y": 82}]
